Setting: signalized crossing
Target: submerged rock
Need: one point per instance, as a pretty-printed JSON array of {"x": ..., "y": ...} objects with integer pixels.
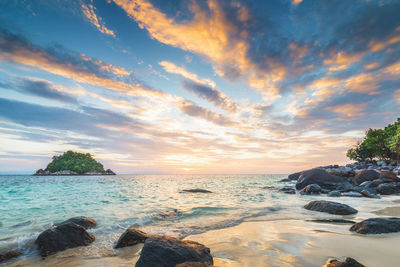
[
  {"x": 365, "y": 175},
  {"x": 83, "y": 221},
  {"x": 62, "y": 237},
  {"x": 170, "y": 214},
  {"x": 323, "y": 179},
  {"x": 377, "y": 226},
  {"x": 311, "y": 189},
  {"x": 168, "y": 252},
  {"x": 131, "y": 237},
  {"x": 196, "y": 190},
  {"x": 349, "y": 262},
  {"x": 9, "y": 255},
  {"x": 288, "y": 190},
  {"x": 330, "y": 207}
]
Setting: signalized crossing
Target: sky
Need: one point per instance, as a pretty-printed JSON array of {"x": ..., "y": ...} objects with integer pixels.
[{"x": 208, "y": 86}]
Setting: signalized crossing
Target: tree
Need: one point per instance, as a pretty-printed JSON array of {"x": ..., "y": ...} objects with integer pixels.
[{"x": 395, "y": 144}]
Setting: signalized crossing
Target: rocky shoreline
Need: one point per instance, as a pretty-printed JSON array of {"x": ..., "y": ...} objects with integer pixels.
[{"x": 42, "y": 172}]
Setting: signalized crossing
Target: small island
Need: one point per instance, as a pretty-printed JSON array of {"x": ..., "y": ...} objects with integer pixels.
[{"x": 74, "y": 163}]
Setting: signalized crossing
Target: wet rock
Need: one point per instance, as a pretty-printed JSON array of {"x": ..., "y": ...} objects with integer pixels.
[
  {"x": 168, "y": 252},
  {"x": 9, "y": 255},
  {"x": 352, "y": 194},
  {"x": 366, "y": 193},
  {"x": 170, "y": 214},
  {"x": 285, "y": 180},
  {"x": 294, "y": 176},
  {"x": 330, "y": 207},
  {"x": 321, "y": 178},
  {"x": 334, "y": 194},
  {"x": 377, "y": 226},
  {"x": 349, "y": 262},
  {"x": 196, "y": 190},
  {"x": 365, "y": 175},
  {"x": 109, "y": 172},
  {"x": 62, "y": 237},
  {"x": 311, "y": 189},
  {"x": 83, "y": 221},
  {"x": 342, "y": 171},
  {"x": 366, "y": 183},
  {"x": 131, "y": 237},
  {"x": 388, "y": 189},
  {"x": 193, "y": 264},
  {"x": 42, "y": 172},
  {"x": 338, "y": 221},
  {"x": 288, "y": 190},
  {"x": 375, "y": 183}
]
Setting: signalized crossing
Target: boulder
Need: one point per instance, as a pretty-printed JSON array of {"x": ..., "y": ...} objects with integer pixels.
[
  {"x": 377, "y": 226},
  {"x": 311, "y": 189},
  {"x": 83, "y": 221},
  {"x": 365, "y": 175},
  {"x": 334, "y": 194},
  {"x": 9, "y": 255},
  {"x": 341, "y": 171},
  {"x": 131, "y": 237},
  {"x": 366, "y": 193},
  {"x": 330, "y": 207},
  {"x": 321, "y": 178},
  {"x": 193, "y": 264},
  {"x": 287, "y": 190},
  {"x": 349, "y": 262},
  {"x": 375, "y": 183},
  {"x": 62, "y": 237},
  {"x": 196, "y": 190},
  {"x": 388, "y": 176},
  {"x": 42, "y": 172},
  {"x": 294, "y": 176},
  {"x": 388, "y": 189},
  {"x": 168, "y": 252}
]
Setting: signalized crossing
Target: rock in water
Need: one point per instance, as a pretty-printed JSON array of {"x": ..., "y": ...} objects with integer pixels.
[
  {"x": 62, "y": 237},
  {"x": 377, "y": 226},
  {"x": 131, "y": 237},
  {"x": 311, "y": 189},
  {"x": 365, "y": 175},
  {"x": 287, "y": 190},
  {"x": 196, "y": 190},
  {"x": 83, "y": 221},
  {"x": 168, "y": 252},
  {"x": 9, "y": 255},
  {"x": 349, "y": 262},
  {"x": 330, "y": 207},
  {"x": 294, "y": 176},
  {"x": 323, "y": 179}
]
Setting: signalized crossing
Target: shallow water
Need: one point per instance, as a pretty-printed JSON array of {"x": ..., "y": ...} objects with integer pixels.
[{"x": 30, "y": 204}]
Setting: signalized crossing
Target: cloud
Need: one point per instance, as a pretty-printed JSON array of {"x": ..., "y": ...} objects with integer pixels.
[
  {"x": 210, "y": 94},
  {"x": 89, "y": 12},
  {"x": 75, "y": 66},
  {"x": 172, "y": 68}
]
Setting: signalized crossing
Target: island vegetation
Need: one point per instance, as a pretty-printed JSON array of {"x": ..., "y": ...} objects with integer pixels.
[
  {"x": 378, "y": 144},
  {"x": 74, "y": 163}
]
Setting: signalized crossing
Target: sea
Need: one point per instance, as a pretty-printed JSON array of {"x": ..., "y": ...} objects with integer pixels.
[{"x": 152, "y": 203}]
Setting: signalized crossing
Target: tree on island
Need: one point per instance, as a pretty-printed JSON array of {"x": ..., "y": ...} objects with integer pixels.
[
  {"x": 74, "y": 161},
  {"x": 378, "y": 144}
]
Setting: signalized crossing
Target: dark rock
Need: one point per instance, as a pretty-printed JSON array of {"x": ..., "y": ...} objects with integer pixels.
[
  {"x": 321, "y": 178},
  {"x": 365, "y": 193},
  {"x": 131, "y": 237},
  {"x": 366, "y": 184},
  {"x": 170, "y": 214},
  {"x": 365, "y": 175},
  {"x": 294, "y": 176},
  {"x": 352, "y": 194},
  {"x": 109, "y": 172},
  {"x": 334, "y": 194},
  {"x": 377, "y": 226},
  {"x": 197, "y": 190},
  {"x": 61, "y": 237},
  {"x": 388, "y": 176},
  {"x": 341, "y": 221},
  {"x": 349, "y": 262},
  {"x": 288, "y": 190},
  {"x": 311, "y": 189},
  {"x": 388, "y": 189},
  {"x": 330, "y": 207},
  {"x": 83, "y": 221},
  {"x": 375, "y": 183},
  {"x": 42, "y": 172},
  {"x": 193, "y": 264},
  {"x": 168, "y": 252},
  {"x": 285, "y": 180},
  {"x": 9, "y": 255}
]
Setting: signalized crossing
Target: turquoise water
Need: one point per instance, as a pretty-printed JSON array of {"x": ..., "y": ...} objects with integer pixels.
[{"x": 31, "y": 204}]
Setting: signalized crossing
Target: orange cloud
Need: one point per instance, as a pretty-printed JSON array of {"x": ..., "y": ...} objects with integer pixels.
[
  {"x": 379, "y": 45},
  {"x": 90, "y": 14},
  {"x": 348, "y": 110},
  {"x": 363, "y": 83},
  {"x": 342, "y": 60},
  {"x": 296, "y": 2}
]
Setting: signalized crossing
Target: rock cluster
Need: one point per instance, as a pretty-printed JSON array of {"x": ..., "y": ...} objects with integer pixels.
[{"x": 42, "y": 172}]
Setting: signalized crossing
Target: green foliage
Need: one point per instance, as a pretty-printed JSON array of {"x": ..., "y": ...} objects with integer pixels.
[
  {"x": 74, "y": 161},
  {"x": 381, "y": 144}
]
